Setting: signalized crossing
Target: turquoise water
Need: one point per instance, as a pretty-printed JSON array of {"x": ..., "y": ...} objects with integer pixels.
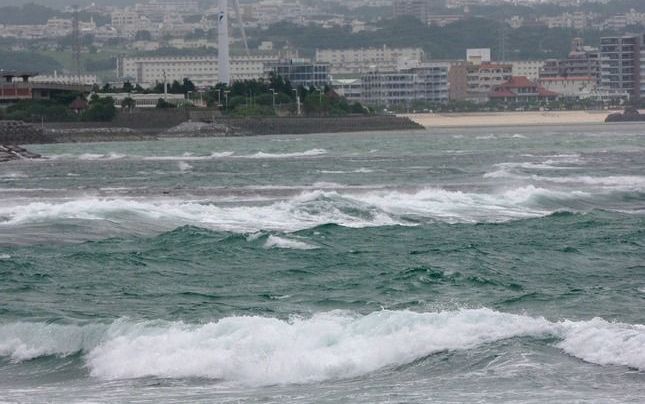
[{"x": 487, "y": 265}]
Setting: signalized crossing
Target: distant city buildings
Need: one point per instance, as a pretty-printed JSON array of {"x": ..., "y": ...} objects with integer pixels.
[{"x": 356, "y": 61}]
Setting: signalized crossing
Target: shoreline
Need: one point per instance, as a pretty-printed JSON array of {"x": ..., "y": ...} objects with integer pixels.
[
  {"x": 509, "y": 119},
  {"x": 139, "y": 130}
]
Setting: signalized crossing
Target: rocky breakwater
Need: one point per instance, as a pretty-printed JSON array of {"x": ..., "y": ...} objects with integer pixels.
[
  {"x": 11, "y": 152},
  {"x": 631, "y": 114},
  {"x": 18, "y": 132}
]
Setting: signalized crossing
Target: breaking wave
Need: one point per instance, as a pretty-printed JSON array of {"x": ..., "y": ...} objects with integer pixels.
[
  {"x": 334, "y": 345},
  {"x": 189, "y": 156},
  {"x": 285, "y": 243},
  {"x": 313, "y": 208}
]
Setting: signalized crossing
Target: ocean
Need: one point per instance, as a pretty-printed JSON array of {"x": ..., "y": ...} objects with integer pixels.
[{"x": 457, "y": 265}]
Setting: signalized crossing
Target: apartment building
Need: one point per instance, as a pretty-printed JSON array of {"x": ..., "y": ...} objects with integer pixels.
[
  {"x": 582, "y": 61},
  {"x": 351, "y": 89},
  {"x": 620, "y": 65},
  {"x": 527, "y": 68},
  {"x": 201, "y": 70},
  {"x": 356, "y": 61},
  {"x": 481, "y": 79},
  {"x": 427, "y": 82}
]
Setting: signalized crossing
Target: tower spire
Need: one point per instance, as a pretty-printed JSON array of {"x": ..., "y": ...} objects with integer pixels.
[{"x": 223, "y": 61}]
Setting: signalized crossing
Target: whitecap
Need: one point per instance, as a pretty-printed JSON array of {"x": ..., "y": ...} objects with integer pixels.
[
  {"x": 309, "y": 209},
  {"x": 261, "y": 351},
  {"x": 285, "y": 243},
  {"x": 184, "y": 167},
  {"x": 5, "y": 257},
  {"x": 308, "y": 153}
]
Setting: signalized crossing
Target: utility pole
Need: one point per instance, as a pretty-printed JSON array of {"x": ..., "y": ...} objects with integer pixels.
[
  {"x": 297, "y": 100},
  {"x": 165, "y": 86},
  {"x": 273, "y": 93}
]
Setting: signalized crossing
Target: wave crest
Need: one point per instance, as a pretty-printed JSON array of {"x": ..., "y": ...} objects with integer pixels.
[
  {"x": 312, "y": 209},
  {"x": 265, "y": 351}
]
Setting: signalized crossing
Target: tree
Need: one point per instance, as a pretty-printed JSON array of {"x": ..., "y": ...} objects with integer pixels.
[
  {"x": 143, "y": 36},
  {"x": 100, "y": 109},
  {"x": 163, "y": 104},
  {"x": 127, "y": 87}
]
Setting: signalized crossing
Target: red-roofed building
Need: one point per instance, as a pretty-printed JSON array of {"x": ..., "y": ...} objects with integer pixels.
[{"x": 519, "y": 89}]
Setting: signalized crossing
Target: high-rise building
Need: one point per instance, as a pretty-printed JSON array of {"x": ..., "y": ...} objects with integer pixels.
[
  {"x": 583, "y": 61},
  {"x": 620, "y": 61}
]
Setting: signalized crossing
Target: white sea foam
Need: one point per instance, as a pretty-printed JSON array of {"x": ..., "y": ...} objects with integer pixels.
[
  {"x": 13, "y": 175},
  {"x": 307, "y": 210},
  {"x": 286, "y": 243},
  {"x": 188, "y": 157},
  {"x": 308, "y": 153},
  {"x": 184, "y": 167},
  {"x": 361, "y": 170},
  {"x": 261, "y": 351},
  {"x": 5, "y": 257}
]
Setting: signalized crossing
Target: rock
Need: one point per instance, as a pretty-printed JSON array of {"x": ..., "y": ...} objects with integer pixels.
[
  {"x": 630, "y": 114},
  {"x": 11, "y": 152}
]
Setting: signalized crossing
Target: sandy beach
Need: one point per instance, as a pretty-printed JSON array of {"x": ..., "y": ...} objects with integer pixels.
[{"x": 431, "y": 120}]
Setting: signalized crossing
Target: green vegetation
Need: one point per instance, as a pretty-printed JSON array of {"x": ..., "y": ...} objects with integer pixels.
[
  {"x": 277, "y": 96},
  {"x": 449, "y": 42},
  {"x": 37, "y": 110},
  {"x": 100, "y": 109},
  {"x": 163, "y": 104},
  {"x": 30, "y": 61}
]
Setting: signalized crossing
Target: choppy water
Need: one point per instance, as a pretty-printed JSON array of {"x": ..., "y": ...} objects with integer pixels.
[{"x": 457, "y": 266}]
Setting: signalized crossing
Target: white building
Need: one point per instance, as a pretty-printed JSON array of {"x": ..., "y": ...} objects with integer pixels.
[
  {"x": 144, "y": 100},
  {"x": 58, "y": 78},
  {"x": 527, "y": 68},
  {"x": 571, "y": 87},
  {"x": 351, "y": 89},
  {"x": 478, "y": 56},
  {"x": 428, "y": 82},
  {"x": 201, "y": 70},
  {"x": 353, "y": 61}
]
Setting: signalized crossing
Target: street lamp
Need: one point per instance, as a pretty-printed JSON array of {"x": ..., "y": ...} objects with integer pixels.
[
  {"x": 297, "y": 100},
  {"x": 226, "y": 93},
  {"x": 273, "y": 93}
]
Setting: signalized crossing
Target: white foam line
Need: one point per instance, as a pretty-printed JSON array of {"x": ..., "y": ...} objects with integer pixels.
[{"x": 262, "y": 351}]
